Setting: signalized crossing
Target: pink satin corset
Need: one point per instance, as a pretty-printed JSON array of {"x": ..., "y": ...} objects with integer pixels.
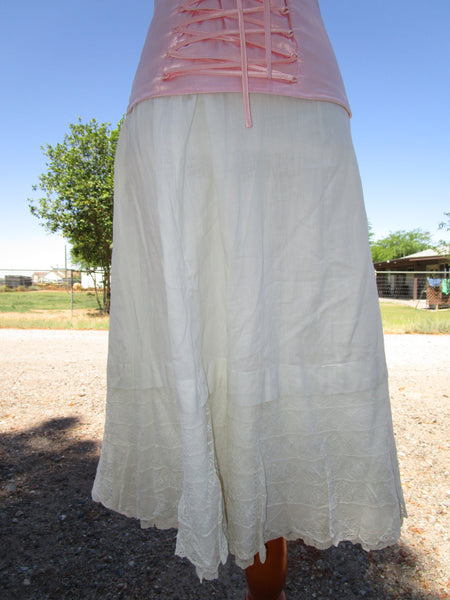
[{"x": 266, "y": 46}]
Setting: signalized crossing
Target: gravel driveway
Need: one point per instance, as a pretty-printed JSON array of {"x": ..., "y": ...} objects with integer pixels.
[{"x": 57, "y": 544}]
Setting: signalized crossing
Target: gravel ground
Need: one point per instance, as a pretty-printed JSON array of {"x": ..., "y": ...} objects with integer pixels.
[{"x": 57, "y": 544}]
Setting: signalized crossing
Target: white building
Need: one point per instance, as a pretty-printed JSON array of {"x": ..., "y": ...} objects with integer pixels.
[{"x": 90, "y": 280}]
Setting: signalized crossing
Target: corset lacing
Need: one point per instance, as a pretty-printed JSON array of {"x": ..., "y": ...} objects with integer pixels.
[{"x": 263, "y": 27}]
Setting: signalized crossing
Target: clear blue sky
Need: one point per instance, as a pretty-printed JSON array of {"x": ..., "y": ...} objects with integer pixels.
[{"x": 64, "y": 59}]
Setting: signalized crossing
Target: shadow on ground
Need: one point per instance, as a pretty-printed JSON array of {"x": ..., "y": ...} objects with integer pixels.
[{"x": 58, "y": 544}]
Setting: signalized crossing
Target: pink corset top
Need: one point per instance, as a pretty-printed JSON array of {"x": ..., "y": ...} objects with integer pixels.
[{"x": 265, "y": 46}]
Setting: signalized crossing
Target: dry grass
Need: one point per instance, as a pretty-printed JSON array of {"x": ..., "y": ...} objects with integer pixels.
[
  {"x": 50, "y": 310},
  {"x": 401, "y": 318},
  {"x": 55, "y": 319}
]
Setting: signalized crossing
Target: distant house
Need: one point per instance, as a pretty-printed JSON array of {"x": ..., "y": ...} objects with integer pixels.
[
  {"x": 53, "y": 276},
  {"x": 426, "y": 260},
  {"x": 407, "y": 277}
]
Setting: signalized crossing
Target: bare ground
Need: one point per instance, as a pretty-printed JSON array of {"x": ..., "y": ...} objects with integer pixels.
[{"x": 57, "y": 544}]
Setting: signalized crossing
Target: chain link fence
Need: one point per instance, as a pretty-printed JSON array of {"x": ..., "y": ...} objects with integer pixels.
[
  {"x": 72, "y": 282},
  {"x": 48, "y": 279},
  {"x": 432, "y": 287}
]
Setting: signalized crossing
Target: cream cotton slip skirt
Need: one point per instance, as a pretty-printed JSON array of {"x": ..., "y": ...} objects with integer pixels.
[{"x": 247, "y": 385}]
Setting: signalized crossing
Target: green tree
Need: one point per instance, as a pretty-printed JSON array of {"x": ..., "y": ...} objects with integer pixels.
[
  {"x": 371, "y": 232},
  {"x": 444, "y": 245},
  {"x": 400, "y": 243},
  {"x": 445, "y": 225},
  {"x": 78, "y": 195}
]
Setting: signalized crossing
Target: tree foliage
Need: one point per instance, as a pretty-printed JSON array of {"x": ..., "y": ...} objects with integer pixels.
[
  {"x": 400, "y": 243},
  {"x": 371, "y": 232},
  {"x": 78, "y": 190},
  {"x": 445, "y": 225},
  {"x": 444, "y": 245}
]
